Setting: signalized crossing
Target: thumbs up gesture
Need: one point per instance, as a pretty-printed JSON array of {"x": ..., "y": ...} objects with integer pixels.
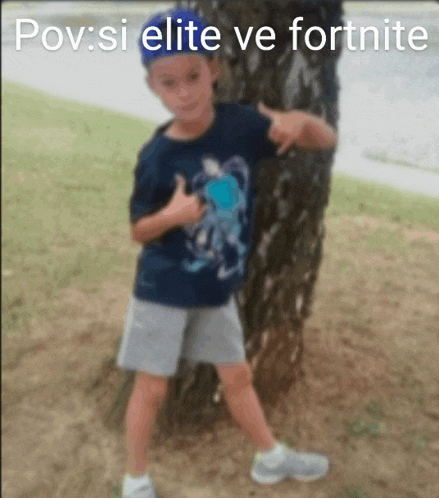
[
  {"x": 184, "y": 209},
  {"x": 304, "y": 130}
]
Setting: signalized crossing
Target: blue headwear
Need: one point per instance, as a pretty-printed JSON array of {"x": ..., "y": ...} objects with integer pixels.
[{"x": 160, "y": 21}]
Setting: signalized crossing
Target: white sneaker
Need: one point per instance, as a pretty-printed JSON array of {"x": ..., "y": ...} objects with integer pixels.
[
  {"x": 145, "y": 490},
  {"x": 293, "y": 464}
]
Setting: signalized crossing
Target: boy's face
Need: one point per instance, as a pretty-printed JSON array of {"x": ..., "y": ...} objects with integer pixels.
[{"x": 185, "y": 84}]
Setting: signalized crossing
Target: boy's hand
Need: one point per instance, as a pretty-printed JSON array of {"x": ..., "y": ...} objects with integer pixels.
[
  {"x": 184, "y": 209},
  {"x": 298, "y": 128}
]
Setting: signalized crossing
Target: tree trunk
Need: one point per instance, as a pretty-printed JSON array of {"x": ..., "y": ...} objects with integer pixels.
[{"x": 293, "y": 194}]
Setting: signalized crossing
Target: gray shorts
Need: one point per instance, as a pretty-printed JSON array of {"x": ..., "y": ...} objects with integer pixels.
[{"x": 156, "y": 336}]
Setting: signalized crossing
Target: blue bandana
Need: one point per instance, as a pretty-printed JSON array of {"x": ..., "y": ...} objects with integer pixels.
[{"x": 176, "y": 20}]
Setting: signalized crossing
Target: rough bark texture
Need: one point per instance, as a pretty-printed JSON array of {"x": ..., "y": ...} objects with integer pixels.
[{"x": 293, "y": 194}]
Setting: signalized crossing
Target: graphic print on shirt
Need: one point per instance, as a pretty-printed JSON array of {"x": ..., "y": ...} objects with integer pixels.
[{"x": 215, "y": 240}]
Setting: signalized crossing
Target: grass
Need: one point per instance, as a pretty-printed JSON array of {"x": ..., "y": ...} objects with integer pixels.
[
  {"x": 67, "y": 174},
  {"x": 353, "y": 492},
  {"x": 67, "y": 177},
  {"x": 354, "y": 197}
]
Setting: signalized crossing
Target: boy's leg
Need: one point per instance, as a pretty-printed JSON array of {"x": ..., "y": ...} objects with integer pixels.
[
  {"x": 274, "y": 461},
  {"x": 148, "y": 394},
  {"x": 244, "y": 404},
  {"x": 151, "y": 346},
  {"x": 216, "y": 336}
]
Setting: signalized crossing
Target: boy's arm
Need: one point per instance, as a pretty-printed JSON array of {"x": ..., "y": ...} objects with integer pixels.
[
  {"x": 316, "y": 134},
  {"x": 181, "y": 210},
  {"x": 151, "y": 227},
  {"x": 298, "y": 128}
]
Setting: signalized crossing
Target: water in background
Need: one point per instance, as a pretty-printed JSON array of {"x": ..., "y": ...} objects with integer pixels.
[{"x": 389, "y": 101}]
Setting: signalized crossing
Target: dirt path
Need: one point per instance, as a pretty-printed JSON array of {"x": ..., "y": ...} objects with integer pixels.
[{"x": 369, "y": 399}]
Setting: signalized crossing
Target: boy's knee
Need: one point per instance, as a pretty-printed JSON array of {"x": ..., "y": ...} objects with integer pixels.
[
  {"x": 235, "y": 378},
  {"x": 152, "y": 386}
]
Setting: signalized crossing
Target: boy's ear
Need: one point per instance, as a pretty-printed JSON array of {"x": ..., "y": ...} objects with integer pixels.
[{"x": 150, "y": 82}]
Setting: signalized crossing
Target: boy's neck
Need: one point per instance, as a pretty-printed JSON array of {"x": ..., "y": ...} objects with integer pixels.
[{"x": 191, "y": 130}]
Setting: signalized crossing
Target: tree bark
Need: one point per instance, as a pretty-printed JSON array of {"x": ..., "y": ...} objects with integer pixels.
[{"x": 292, "y": 196}]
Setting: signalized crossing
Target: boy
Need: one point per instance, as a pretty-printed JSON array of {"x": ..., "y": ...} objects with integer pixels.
[{"x": 196, "y": 236}]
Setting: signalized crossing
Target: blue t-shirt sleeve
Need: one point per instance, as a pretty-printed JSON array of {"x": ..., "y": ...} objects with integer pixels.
[
  {"x": 258, "y": 126},
  {"x": 142, "y": 197},
  {"x": 265, "y": 147}
]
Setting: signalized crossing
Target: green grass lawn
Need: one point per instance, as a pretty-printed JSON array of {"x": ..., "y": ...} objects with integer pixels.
[{"x": 67, "y": 177}]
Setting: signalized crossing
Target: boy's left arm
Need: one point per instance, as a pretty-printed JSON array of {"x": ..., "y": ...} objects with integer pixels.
[{"x": 298, "y": 128}]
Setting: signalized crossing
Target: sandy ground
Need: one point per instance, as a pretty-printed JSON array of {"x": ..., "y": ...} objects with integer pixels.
[{"x": 369, "y": 398}]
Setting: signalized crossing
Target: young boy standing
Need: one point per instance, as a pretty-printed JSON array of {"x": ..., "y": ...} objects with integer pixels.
[{"x": 191, "y": 209}]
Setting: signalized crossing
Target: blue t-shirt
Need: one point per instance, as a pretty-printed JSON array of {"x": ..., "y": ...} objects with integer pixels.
[{"x": 201, "y": 264}]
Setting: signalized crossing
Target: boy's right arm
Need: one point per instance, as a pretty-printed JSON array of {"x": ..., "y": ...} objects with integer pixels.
[
  {"x": 151, "y": 227},
  {"x": 181, "y": 210}
]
